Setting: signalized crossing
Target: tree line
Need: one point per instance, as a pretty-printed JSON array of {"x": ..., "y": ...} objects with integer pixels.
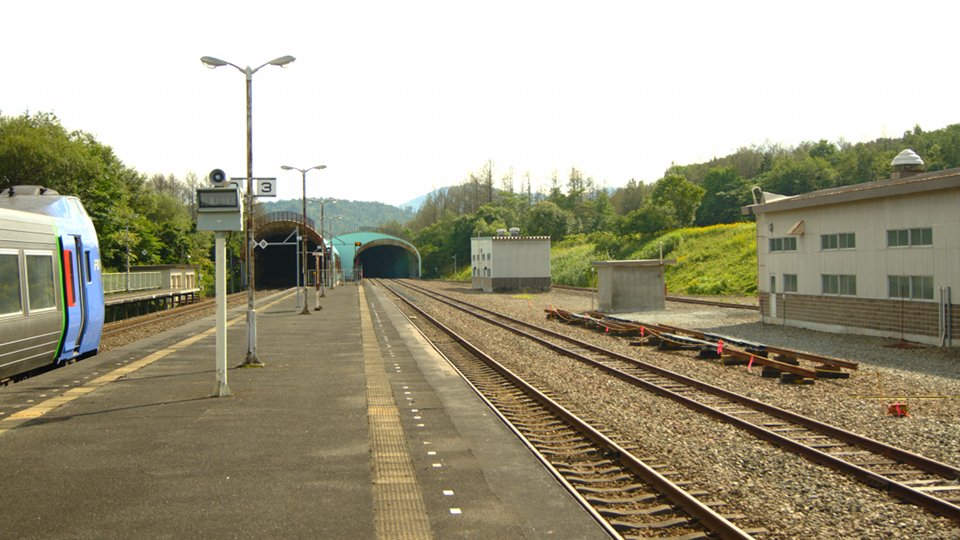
[
  {"x": 150, "y": 217},
  {"x": 699, "y": 194},
  {"x": 154, "y": 216}
]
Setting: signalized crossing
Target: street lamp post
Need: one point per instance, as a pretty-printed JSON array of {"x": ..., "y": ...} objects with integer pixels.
[
  {"x": 212, "y": 63},
  {"x": 328, "y": 268},
  {"x": 126, "y": 235},
  {"x": 303, "y": 266},
  {"x": 323, "y": 202},
  {"x": 327, "y": 261}
]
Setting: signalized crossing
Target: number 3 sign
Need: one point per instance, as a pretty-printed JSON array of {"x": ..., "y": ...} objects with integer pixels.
[{"x": 266, "y": 187}]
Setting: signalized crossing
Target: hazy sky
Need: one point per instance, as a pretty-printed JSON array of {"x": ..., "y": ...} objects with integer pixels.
[{"x": 397, "y": 98}]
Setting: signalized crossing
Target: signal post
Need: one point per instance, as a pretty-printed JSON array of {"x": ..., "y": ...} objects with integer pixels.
[{"x": 219, "y": 209}]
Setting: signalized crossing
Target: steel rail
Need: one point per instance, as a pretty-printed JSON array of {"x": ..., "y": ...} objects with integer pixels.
[
  {"x": 908, "y": 493},
  {"x": 712, "y": 520}
]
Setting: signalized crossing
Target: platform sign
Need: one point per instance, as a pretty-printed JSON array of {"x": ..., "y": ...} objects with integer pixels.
[
  {"x": 266, "y": 187},
  {"x": 239, "y": 183},
  {"x": 262, "y": 187}
]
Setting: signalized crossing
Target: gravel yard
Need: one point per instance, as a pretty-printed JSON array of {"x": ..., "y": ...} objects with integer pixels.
[{"x": 791, "y": 497}]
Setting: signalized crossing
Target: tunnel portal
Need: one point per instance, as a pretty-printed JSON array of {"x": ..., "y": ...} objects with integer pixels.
[
  {"x": 278, "y": 266},
  {"x": 377, "y": 254},
  {"x": 277, "y": 257},
  {"x": 387, "y": 261}
]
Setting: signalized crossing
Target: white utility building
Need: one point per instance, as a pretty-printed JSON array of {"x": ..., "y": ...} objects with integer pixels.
[
  {"x": 879, "y": 258},
  {"x": 510, "y": 262}
]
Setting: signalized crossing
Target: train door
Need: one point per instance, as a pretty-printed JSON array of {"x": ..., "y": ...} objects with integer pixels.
[
  {"x": 81, "y": 278},
  {"x": 75, "y": 298},
  {"x": 71, "y": 328}
]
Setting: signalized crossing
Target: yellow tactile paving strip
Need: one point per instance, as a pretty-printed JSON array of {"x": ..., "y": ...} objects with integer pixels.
[
  {"x": 40, "y": 409},
  {"x": 398, "y": 506}
]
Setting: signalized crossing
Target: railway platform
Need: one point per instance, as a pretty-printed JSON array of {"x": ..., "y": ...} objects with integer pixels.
[{"x": 355, "y": 428}]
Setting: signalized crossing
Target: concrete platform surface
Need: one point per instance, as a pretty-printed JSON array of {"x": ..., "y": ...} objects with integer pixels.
[{"x": 130, "y": 443}]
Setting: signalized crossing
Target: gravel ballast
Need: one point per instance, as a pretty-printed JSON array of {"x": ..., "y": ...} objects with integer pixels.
[{"x": 791, "y": 497}]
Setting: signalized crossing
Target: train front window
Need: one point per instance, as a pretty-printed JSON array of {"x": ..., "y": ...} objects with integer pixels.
[
  {"x": 10, "y": 301},
  {"x": 40, "y": 289}
]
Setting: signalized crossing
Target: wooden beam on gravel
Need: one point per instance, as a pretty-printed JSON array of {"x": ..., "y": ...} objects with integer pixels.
[{"x": 598, "y": 319}]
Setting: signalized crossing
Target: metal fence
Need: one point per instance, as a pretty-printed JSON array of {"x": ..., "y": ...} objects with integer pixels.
[{"x": 117, "y": 282}]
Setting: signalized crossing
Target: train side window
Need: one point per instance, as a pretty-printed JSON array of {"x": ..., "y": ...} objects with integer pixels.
[
  {"x": 40, "y": 288},
  {"x": 10, "y": 301},
  {"x": 86, "y": 261}
]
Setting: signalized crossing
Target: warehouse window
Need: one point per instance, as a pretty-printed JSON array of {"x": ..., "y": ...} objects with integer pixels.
[
  {"x": 789, "y": 283},
  {"x": 922, "y": 236},
  {"x": 913, "y": 287},
  {"x": 842, "y": 284},
  {"x": 838, "y": 241},
  {"x": 10, "y": 301},
  {"x": 848, "y": 285},
  {"x": 788, "y": 243},
  {"x": 40, "y": 290}
]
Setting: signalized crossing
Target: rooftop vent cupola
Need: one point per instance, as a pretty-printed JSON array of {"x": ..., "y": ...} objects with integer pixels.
[{"x": 907, "y": 163}]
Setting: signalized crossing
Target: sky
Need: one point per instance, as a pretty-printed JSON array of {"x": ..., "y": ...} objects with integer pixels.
[{"x": 400, "y": 98}]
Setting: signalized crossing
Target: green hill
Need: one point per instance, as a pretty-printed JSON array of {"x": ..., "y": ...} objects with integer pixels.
[
  {"x": 344, "y": 216},
  {"x": 714, "y": 260}
]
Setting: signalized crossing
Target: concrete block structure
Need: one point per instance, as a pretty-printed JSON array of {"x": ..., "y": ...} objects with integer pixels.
[
  {"x": 510, "y": 262},
  {"x": 878, "y": 258},
  {"x": 629, "y": 286}
]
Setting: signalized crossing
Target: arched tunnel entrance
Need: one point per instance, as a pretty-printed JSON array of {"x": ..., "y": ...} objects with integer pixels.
[
  {"x": 277, "y": 256},
  {"x": 387, "y": 261},
  {"x": 377, "y": 254},
  {"x": 278, "y": 266}
]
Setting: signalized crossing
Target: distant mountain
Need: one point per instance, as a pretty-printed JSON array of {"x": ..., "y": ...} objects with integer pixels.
[
  {"x": 344, "y": 216},
  {"x": 415, "y": 204}
]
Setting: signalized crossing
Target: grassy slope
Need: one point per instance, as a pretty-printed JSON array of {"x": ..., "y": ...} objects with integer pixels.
[{"x": 716, "y": 260}]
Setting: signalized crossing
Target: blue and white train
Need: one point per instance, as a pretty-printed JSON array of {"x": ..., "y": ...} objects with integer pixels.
[{"x": 51, "y": 288}]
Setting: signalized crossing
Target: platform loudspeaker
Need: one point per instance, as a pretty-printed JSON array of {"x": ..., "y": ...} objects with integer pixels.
[{"x": 218, "y": 178}]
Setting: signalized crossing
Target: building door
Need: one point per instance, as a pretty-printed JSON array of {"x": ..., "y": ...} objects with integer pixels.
[{"x": 773, "y": 295}]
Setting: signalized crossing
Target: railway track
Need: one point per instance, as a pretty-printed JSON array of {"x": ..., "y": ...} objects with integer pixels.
[
  {"x": 631, "y": 497},
  {"x": 134, "y": 323},
  {"x": 911, "y": 477},
  {"x": 124, "y": 325},
  {"x": 681, "y": 299}
]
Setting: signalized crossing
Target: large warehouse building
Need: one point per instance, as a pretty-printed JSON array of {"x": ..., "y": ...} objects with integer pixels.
[{"x": 879, "y": 258}]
